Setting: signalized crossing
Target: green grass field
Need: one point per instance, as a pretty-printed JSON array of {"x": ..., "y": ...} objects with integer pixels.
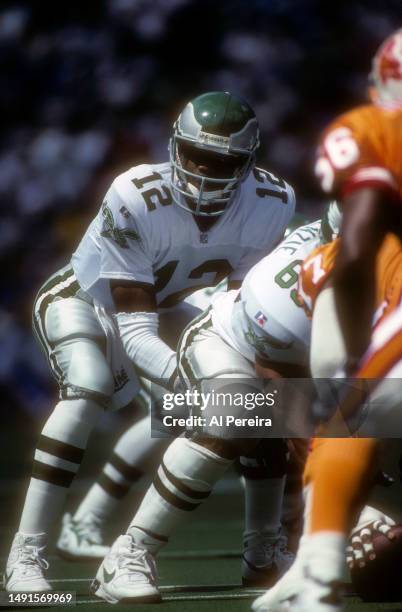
[
  {"x": 198, "y": 571},
  {"x": 200, "y": 568}
]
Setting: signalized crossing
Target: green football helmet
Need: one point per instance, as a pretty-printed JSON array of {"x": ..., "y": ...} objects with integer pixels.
[{"x": 216, "y": 135}]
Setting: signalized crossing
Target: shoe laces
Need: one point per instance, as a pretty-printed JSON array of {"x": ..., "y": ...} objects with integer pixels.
[
  {"x": 31, "y": 558},
  {"x": 138, "y": 560}
]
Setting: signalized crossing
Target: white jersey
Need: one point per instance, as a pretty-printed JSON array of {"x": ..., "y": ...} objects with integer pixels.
[
  {"x": 141, "y": 235},
  {"x": 264, "y": 317}
]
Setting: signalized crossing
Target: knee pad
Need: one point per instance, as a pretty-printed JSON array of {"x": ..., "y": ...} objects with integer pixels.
[
  {"x": 76, "y": 337},
  {"x": 71, "y": 318},
  {"x": 88, "y": 375},
  {"x": 84, "y": 371},
  {"x": 193, "y": 465}
]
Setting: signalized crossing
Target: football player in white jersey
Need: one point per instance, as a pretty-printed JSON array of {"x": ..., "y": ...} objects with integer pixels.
[
  {"x": 162, "y": 232},
  {"x": 136, "y": 454},
  {"x": 263, "y": 322}
]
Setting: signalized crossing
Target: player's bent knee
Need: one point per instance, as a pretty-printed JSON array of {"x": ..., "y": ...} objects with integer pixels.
[
  {"x": 88, "y": 370},
  {"x": 77, "y": 338},
  {"x": 72, "y": 421},
  {"x": 85, "y": 371}
]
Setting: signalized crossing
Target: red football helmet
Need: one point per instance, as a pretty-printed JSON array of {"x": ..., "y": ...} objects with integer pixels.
[{"x": 386, "y": 74}]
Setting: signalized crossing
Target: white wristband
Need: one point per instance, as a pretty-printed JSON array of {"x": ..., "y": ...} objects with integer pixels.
[{"x": 139, "y": 334}]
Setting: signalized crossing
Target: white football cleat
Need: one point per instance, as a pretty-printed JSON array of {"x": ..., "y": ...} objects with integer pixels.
[
  {"x": 127, "y": 574},
  {"x": 81, "y": 540},
  {"x": 25, "y": 564},
  {"x": 265, "y": 559}
]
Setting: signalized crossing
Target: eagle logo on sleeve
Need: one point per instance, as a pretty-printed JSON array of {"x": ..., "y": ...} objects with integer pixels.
[{"x": 117, "y": 234}]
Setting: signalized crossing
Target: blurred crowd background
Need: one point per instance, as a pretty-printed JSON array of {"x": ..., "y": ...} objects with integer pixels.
[{"x": 88, "y": 89}]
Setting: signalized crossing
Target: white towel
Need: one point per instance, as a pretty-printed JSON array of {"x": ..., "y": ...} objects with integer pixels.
[{"x": 126, "y": 382}]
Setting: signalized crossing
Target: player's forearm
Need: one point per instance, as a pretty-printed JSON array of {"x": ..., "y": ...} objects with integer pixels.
[
  {"x": 139, "y": 334},
  {"x": 354, "y": 286},
  {"x": 366, "y": 219}
]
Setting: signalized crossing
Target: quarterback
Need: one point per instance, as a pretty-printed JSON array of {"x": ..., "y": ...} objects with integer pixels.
[
  {"x": 162, "y": 232},
  {"x": 359, "y": 160},
  {"x": 262, "y": 323}
]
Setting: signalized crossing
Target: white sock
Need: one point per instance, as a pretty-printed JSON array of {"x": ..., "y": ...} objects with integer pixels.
[
  {"x": 42, "y": 508},
  {"x": 58, "y": 455},
  {"x": 325, "y": 555},
  {"x": 98, "y": 503},
  {"x": 185, "y": 478},
  {"x": 264, "y": 478},
  {"x": 134, "y": 455},
  {"x": 138, "y": 449},
  {"x": 321, "y": 548}
]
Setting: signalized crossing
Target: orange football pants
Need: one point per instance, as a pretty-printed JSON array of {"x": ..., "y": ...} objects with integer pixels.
[{"x": 341, "y": 472}]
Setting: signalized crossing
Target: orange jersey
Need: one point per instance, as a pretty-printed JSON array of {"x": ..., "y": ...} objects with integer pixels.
[
  {"x": 318, "y": 266},
  {"x": 362, "y": 148}
]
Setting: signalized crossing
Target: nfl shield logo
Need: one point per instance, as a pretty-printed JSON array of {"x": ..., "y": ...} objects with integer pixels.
[{"x": 260, "y": 318}]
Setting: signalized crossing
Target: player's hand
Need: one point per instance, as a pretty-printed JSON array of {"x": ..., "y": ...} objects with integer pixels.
[{"x": 360, "y": 549}]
